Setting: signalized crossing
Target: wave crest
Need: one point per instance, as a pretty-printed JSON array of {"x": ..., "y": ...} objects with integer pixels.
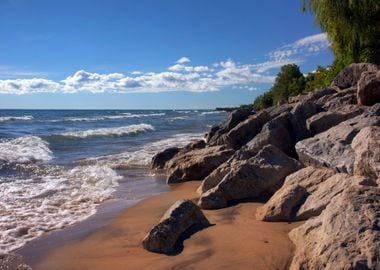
[{"x": 16, "y": 118}]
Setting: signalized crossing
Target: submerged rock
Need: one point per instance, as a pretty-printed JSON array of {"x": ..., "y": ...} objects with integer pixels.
[
  {"x": 345, "y": 236},
  {"x": 179, "y": 218}
]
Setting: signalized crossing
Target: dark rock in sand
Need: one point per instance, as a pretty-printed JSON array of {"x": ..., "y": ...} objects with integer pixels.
[
  {"x": 159, "y": 160},
  {"x": 258, "y": 176},
  {"x": 345, "y": 236},
  {"x": 179, "y": 218},
  {"x": 369, "y": 88},
  {"x": 350, "y": 76},
  {"x": 196, "y": 164}
]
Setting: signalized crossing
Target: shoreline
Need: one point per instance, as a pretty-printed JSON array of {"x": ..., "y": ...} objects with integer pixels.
[{"x": 236, "y": 239}]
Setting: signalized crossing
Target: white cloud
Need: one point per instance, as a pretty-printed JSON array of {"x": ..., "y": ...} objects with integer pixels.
[
  {"x": 183, "y": 60},
  {"x": 179, "y": 77}
]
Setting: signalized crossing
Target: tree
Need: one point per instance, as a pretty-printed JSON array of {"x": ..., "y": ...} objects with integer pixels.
[
  {"x": 289, "y": 82},
  {"x": 353, "y": 26}
]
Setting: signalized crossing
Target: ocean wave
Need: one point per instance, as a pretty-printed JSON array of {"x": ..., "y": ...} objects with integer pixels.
[
  {"x": 106, "y": 117},
  {"x": 114, "y": 131},
  {"x": 16, "y": 118},
  {"x": 24, "y": 149},
  {"x": 143, "y": 156},
  {"x": 179, "y": 118},
  {"x": 211, "y": 112},
  {"x": 55, "y": 200}
]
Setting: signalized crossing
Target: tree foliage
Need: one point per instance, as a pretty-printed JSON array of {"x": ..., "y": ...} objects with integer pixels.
[{"x": 353, "y": 27}]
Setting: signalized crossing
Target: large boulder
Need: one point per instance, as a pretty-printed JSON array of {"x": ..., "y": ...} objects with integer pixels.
[
  {"x": 246, "y": 130},
  {"x": 258, "y": 176},
  {"x": 332, "y": 148},
  {"x": 350, "y": 76},
  {"x": 324, "y": 120},
  {"x": 298, "y": 116},
  {"x": 313, "y": 96},
  {"x": 196, "y": 164},
  {"x": 284, "y": 204},
  {"x": 12, "y": 262},
  {"x": 345, "y": 236},
  {"x": 160, "y": 159},
  {"x": 366, "y": 146},
  {"x": 336, "y": 101},
  {"x": 369, "y": 88},
  {"x": 179, "y": 218}
]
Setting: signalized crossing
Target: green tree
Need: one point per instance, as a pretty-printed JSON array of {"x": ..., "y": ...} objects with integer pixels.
[
  {"x": 353, "y": 26},
  {"x": 263, "y": 101},
  {"x": 289, "y": 82}
]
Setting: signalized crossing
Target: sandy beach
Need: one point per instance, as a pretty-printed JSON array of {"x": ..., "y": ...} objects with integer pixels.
[{"x": 236, "y": 240}]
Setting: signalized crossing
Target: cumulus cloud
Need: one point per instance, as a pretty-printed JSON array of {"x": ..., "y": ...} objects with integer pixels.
[{"x": 180, "y": 77}]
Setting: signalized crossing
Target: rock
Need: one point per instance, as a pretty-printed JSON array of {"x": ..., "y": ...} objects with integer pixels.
[
  {"x": 369, "y": 88},
  {"x": 325, "y": 120},
  {"x": 299, "y": 114},
  {"x": 13, "y": 262},
  {"x": 317, "y": 201},
  {"x": 345, "y": 236},
  {"x": 159, "y": 160},
  {"x": 246, "y": 130},
  {"x": 366, "y": 145},
  {"x": 258, "y": 176},
  {"x": 350, "y": 76},
  {"x": 336, "y": 101},
  {"x": 313, "y": 96},
  {"x": 332, "y": 148},
  {"x": 198, "y": 144},
  {"x": 196, "y": 164},
  {"x": 179, "y": 218},
  {"x": 233, "y": 119},
  {"x": 284, "y": 204}
]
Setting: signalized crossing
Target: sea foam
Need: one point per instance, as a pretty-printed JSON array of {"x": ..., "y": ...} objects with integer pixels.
[{"x": 16, "y": 118}]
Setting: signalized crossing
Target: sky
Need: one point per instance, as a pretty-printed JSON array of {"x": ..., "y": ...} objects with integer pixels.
[{"x": 150, "y": 54}]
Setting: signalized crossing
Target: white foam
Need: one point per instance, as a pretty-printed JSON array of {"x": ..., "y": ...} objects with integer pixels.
[
  {"x": 211, "y": 112},
  {"x": 105, "y": 117},
  {"x": 24, "y": 149},
  {"x": 143, "y": 156},
  {"x": 16, "y": 118},
  {"x": 179, "y": 118},
  {"x": 115, "y": 131},
  {"x": 57, "y": 199}
]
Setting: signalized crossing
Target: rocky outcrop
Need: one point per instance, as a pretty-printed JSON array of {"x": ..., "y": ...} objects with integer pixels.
[
  {"x": 284, "y": 204},
  {"x": 159, "y": 160},
  {"x": 13, "y": 262},
  {"x": 258, "y": 176},
  {"x": 350, "y": 76},
  {"x": 313, "y": 96},
  {"x": 369, "y": 88},
  {"x": 196, "y": 164},
  {"x": 332, "y": 148},
  {"x": 366, "y": 146},
  {"x": 336, "y": 101},
  {"x": 182, "y": 216},
  {"x": 345, "y": 236}
]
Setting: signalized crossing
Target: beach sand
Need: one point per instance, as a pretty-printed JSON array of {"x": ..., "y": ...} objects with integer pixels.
[{"x": 235, "y": 241}]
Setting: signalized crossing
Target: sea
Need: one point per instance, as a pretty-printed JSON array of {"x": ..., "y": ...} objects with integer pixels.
[{"x": 58, "y": 166}]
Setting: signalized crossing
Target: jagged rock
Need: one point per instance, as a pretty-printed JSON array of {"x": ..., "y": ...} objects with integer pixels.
[
  {"x": 317, "y": 201},
  {"x": 336, "y": 101},
  {"x": 325, "y": 120},
  {"x": 284, "y": 204},
  {"x": 345, "y": 236},
  {"x": 299, "y": 114},
  {"x": 196, "y": 164},
  {"x": 12, "y": 262},
  {"x": 278, "y": 110},
  {"x": 332, "y": 148},
  {"x": 159, "y": 160},
  {"x": 233, "y": 119},
  {"x": 313, "y": 96},
  {"x": 258, "y": 176},
  {"x": 350, "y": 76},
  {"x": 179, "y": 218},
  {"x": 369, "y": 88},
  {"x": 367, "y": 152},
  {"x": 246, "y": 130}
]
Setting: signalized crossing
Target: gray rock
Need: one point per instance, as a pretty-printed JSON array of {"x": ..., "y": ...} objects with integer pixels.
[
  {"x": 299, "y": 114},
  {"x": 350, "y": 76},
  {"x": 196, "y": 164},
  {"x": 336, "y": 101},
  {"x": 258, "y": 176},
  {"x": 284, "y": 204},
  {"x": 369, "y": 88},
  {"x": 178, "y": 219},
  {"x": 313, "y": 96},
  {"x": 159, "y": 160},
  {"x": 345, "y": 236},
  {"x": 366, "y": 146},
  {"x": 332, "y": 148}
]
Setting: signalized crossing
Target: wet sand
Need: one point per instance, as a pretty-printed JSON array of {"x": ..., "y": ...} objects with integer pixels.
[{"x": 235, "y": 241}]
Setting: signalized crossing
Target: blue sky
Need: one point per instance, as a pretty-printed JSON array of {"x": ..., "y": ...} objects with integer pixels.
[{"x": 147, "y": 54}]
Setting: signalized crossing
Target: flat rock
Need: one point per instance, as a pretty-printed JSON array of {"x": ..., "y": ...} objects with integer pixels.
[
  {"x": 350, "y": 75},
  {"x": 366, "y": 145},
  {"x": 196, "y": 164},
  {"x": 179, "y": 218},
  {"x": 369, "y": 88},
  {"x": 345, "y": 236},
  {"x": 258, "y": 176}
]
